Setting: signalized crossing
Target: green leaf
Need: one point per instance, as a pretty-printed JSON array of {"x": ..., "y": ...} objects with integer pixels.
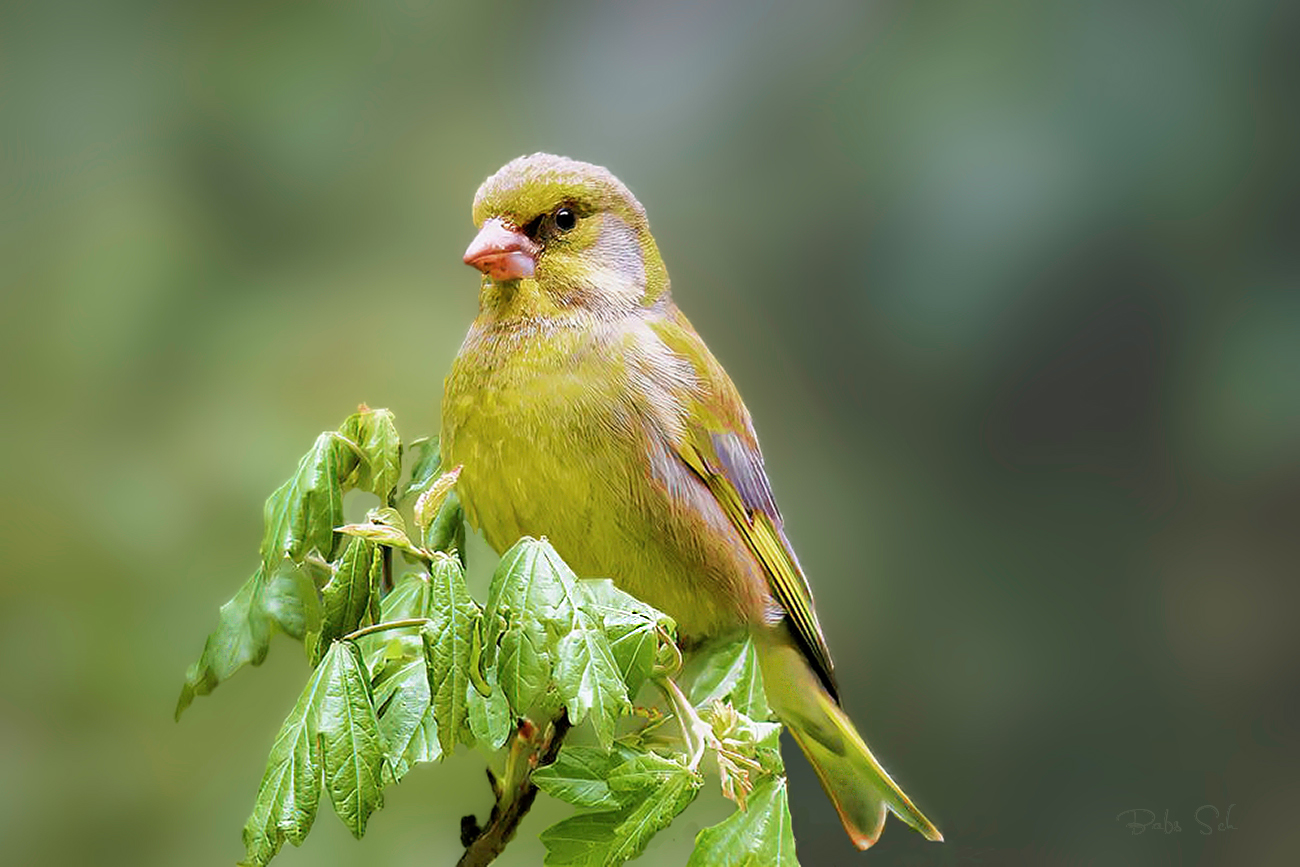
[
  {"x": 242, "y": 636},
  {"x": 430, "y": 502},
  {"x": 631, "y": 627},
  {"x": 539, "y": 634},
  {"x": 289, "y": 794},
  {"x": 603, "y": 598},
  {"x": 351, "y": 746},
  {"x": 531, "y": 581},
  {"x": 653, "y": 789},
  {"x": 406, "y": 722},
  {"x": 245, "y": 624},
  {"x": 393, "y": 654},
  {"x": 766, "y": 737},
  {"x": 648, "y": 772},
  {"x": 589, "y": 679},
  {"x": 524, "y": 663},
  {"x": 532, "y": 603},
  {"x": 424, "y": 466},
  {"x": 409, "y": 599},
  {"x": 731, "y": 671},
  {"x": 760, "y": 836},
  {"x": 374, "y": 434},
  {"x": 448, "y": 641},
  {"x": 447, "y": 532},
  {"x": 490, "y": 721},
  {"x": 345, "y": 600},
  {"x": 424, "y": 745},
  {"x": 301, "y": 516},
  {"x": 383, "y": 526},
  {"x": 291, "y": 601},
  {"x": 580, "y": 776}
]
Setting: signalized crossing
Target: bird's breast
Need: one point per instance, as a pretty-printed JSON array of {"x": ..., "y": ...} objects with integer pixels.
[
  {"x": 554, "y": 435},
  {"x": 544, "y": 432}
]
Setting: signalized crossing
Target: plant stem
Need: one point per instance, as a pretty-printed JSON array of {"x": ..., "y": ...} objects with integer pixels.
[
  {"x": 384, "y": 627},
  {"x": 695, "y": 732},
  {"x": 514, "y": 791}
]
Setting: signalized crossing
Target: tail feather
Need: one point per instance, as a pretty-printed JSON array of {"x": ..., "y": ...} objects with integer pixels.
[{"x": 858, "y": 786}]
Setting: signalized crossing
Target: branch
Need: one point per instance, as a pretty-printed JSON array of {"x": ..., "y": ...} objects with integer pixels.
[
  {"x": 514, "y": 792},
  {"x": 388, "y": 569}
]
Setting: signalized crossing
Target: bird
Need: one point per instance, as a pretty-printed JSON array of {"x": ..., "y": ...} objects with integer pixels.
[{"x": 583, "y": 406}]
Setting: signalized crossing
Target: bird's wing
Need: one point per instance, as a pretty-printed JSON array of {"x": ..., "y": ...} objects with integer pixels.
[{"x": 718, "y": 444}]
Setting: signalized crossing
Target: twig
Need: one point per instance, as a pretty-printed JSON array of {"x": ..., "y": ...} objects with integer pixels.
[
  {"x": 514, "y": 791},
  {"x": 387, "y": 583}
]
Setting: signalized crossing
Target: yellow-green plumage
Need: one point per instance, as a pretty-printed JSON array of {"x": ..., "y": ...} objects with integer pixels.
[{"x": 583, "y": 407}]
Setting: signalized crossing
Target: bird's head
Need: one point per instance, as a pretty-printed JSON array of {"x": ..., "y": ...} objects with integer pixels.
[{"x": 557, "y": 235}]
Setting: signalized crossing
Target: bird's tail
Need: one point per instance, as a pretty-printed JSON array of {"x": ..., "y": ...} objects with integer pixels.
[{"x": 850, "y": 774}]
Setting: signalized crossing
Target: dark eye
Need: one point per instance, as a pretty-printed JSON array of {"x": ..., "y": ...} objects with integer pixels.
[{"x": 565, "y": 219}]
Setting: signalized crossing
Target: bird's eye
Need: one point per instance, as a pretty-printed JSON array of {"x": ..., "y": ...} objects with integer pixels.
[{"x": 565, "y": 219}]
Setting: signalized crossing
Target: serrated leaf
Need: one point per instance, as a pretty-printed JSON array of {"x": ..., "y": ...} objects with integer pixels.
[
  {"x": 530, "y": 581},
  {"x": 657, "y": 790},
  {"x": 580, "y": 776},
  {"x": 289, "y": 794},
  {"x": 352, "y": 751},
  {"x": 524, "y": 663},
  {"x": 424, "y": 745},
  {"x": 448, "y": 641},
  {"x": 345, "y": 600},
  {"x": 631, "y": 627},
  {"x": 589, "y": 679},
  {"x": 603, "y": 598},
  {"x": 731, "y": 671},
  {"x": 489, "y": 720},
  {"x": 760, "y": 836},
  {"x": 425, "y": 461},
  {"x": 374, "y": 434},
  {"x": 406, "y": 723},
  {"x": 532, "y": 602},
  {"x": 301, "y": 515},
  {"x": 647, "y": 772}
]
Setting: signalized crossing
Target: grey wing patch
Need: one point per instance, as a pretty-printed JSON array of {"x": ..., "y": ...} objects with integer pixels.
[{"x": 743, "y": 466}]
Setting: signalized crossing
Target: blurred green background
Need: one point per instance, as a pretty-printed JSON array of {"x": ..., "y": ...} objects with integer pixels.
[{"x": 1010, "y": 289}]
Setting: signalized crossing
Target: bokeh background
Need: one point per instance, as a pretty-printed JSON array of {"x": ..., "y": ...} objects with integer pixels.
[{"x": 1010, "y": 289}]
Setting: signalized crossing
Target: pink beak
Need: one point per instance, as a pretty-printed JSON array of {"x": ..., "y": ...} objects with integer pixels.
[{"x": 502, "y": 252}]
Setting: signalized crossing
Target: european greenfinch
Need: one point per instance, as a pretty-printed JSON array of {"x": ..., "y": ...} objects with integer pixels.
[{"x": 584, "y": 407}]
